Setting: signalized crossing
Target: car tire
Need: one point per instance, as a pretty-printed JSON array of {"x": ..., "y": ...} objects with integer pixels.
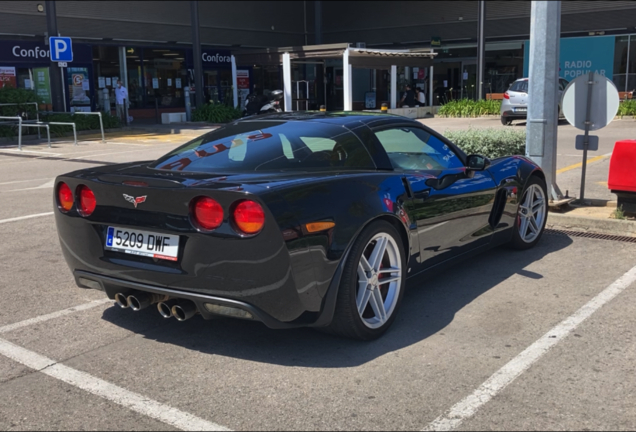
[
  {"x": 532, "y": 215},
  {"x": 506, "y": 121},
  {"x": 369, "y": 324}
]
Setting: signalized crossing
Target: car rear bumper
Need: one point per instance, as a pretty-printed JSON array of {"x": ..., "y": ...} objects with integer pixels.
[
  {"x": 514, "y": 115},
  {"x": 112, "y": 286}
]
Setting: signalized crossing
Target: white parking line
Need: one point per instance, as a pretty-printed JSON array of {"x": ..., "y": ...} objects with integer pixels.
[
  {"x": 25, "y": 217},
  {"x": 515, "y": 367},
  {"x": 53, "y": 315},
  {"x": 106, "y": 390}
]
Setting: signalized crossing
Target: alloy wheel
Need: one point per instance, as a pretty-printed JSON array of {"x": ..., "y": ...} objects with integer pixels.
[
  {"x": 379, "y": 280},
  {"x": 532, "y": 212}
]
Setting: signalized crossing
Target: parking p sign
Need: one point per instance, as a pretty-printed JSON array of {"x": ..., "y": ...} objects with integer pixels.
[{"x": 61, "y": 49}]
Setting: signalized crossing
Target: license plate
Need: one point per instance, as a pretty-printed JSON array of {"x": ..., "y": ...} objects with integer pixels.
[
  {"x": 143, "y": 243},
  {"x": 521, "y": 109}
]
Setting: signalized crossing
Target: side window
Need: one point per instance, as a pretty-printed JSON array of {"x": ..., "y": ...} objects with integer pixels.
[{"x": 415, "y": 149}]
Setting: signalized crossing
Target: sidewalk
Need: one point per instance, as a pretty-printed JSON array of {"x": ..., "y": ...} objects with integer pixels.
[{"x": 597, "y": 218}]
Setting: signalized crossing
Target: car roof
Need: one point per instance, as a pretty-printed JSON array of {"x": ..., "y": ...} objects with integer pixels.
[{"x": 340, "y": 118}]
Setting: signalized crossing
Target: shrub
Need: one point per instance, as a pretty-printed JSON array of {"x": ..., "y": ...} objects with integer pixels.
[
  {"x": 492, "y": 143},
  {"x": 469, "y": 108},
  {"x": 216, "y": 113},
  {"x": 82, "y": 122},
  {"x": 627, "y": 108}
]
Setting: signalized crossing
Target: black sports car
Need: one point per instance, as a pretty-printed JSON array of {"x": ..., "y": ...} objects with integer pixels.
[{"x": 294, "y": 219}]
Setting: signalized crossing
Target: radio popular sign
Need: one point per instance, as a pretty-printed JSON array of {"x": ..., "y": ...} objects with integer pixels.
[{"x": 581, "y": 55}]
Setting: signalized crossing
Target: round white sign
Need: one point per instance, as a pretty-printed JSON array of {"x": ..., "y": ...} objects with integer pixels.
[{"x": 604, "y": 103}]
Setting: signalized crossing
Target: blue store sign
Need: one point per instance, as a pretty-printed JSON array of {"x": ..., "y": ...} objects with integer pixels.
[
  {"x": 581, "y": 55},
  {"x": 12, "y": 52}
]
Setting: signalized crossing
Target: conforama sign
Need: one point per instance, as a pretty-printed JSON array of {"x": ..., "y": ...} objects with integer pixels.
[{"x": 581, "y": 55}]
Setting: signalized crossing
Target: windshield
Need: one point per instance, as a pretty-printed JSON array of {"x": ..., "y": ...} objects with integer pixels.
[{"x": 270, "y": 145}]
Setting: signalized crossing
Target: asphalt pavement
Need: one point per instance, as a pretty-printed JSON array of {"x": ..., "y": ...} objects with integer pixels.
[{"x": 533, "y": 340}]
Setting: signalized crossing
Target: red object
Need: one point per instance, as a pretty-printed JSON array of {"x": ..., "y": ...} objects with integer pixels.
[
  {"x": 249, "y": 217},
  {"x": 506, "y": 95},
  {"x": 64, "y": 197},
  {"x": 207, "y": 213},
  {"x": 87, "y": 201},
  {"x": 622, "y": 169}
]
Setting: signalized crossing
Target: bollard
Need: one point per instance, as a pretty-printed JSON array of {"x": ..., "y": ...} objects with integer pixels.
[
  {"x": 323, "y": 108},
  {"x": 106, "y": 107},
  {"x": 384, "y": 108},
  {"x": 188, "y": 107}
]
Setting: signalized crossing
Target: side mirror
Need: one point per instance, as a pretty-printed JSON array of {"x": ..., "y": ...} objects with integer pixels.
[{"x": 477, "y": 162}]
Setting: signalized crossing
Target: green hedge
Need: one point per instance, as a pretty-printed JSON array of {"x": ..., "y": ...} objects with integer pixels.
[
  {"x": 469, "y": 108},
  {"x": 216, "y": 113},
  {"x": 627, "y": 108},
  {"x": 82, "y": 122},
  {"x": 492, "y": 143},
  {"x": 22, "y": 96}
]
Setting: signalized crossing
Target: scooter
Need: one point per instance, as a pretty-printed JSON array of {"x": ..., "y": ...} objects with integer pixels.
[{"x": 263, "y": 104}]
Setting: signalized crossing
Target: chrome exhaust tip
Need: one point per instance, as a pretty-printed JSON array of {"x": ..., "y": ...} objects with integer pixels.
[
  {"x": 142, "y": 300},
  {"x": 121, "y": 300},
  {"x": 184, "y": 310},
  {"x": 165, "y": 308}
]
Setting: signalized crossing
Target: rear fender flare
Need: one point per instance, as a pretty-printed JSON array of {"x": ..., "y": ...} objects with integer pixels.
[{"x": 329, "y": 302}]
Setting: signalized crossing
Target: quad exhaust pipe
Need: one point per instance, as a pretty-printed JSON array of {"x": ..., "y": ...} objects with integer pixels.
[
  {"x": 138, "y": 300},
  {"x": 165, "y": 308},
  {"x": 182, "y": 310}
]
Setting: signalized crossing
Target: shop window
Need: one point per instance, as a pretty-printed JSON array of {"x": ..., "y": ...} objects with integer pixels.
[
  {"x": 106, "y": 72},
  {"x": 164, "y": 77}
]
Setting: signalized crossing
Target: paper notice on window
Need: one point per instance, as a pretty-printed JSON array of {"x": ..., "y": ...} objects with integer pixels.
[
  {"x": 155, "y": 83},
  {"x": 86, "y": 85},
  {"x": 101, "y": 82},
  {"x": 169, "y": 82},
  {"x": 445, "y": 83},
  {"x": 108, "y": 83},
  {"x": 177, "y": 82},
  {"x": 27, "y": 83}
]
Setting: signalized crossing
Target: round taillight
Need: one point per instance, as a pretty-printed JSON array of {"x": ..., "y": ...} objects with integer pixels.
[
  {"x": 64, "y": 197},
  {"x": 249, "y": 217},
  {"x": 207, "y": 213},
  {"x": 86, "y": 200}
]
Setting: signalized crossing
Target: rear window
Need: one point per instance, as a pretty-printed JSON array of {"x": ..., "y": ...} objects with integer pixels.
[
  {"x": 270, "y": 146},
  {"x": 520, "y": 86}
]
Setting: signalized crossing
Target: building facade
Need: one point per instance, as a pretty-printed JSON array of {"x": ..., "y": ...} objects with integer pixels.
[{"x": 149, "y": 46}]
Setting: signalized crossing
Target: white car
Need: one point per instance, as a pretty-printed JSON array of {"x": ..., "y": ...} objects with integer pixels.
[{"x": 514, "y": 105}]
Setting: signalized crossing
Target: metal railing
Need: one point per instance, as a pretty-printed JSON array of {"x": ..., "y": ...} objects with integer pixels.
[
  {"x": 101, "y": 123},
  {"x": 25, "y": 123},
  {"x": 37, "y": 113},
  {"x": 98, "y": 113}
]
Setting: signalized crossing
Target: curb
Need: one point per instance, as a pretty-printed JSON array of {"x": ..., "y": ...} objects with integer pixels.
[{"x": 589, "y": 224}]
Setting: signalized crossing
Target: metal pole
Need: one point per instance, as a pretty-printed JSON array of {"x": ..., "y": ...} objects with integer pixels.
[
  {"x": 101, "y": 126},
  {"x": 287, "y": 84},
  {"x": 318, "y": 22},
  {"x": 481, "y": 21},
  {"x": 20, "y": 134},
  {"x": 586, "y": 139},
  {"x": 188, "y": 103},
  {"x": 196, "y": 51},
  {"x": 305, "y": 19},
  {"x": 393, "y": 86},
  {"x": 541, "y": 129},
  {"x": 54, "y": 71},
  {"x": 234, "y": 83},
  {"x": 629, "y": 40},
  {"x": 346, "y": 81},
  {"x": 430, "y": 87}
]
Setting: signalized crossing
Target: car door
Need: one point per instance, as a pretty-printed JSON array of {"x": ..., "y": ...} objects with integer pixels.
[{"x": 450, "y": 207}]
